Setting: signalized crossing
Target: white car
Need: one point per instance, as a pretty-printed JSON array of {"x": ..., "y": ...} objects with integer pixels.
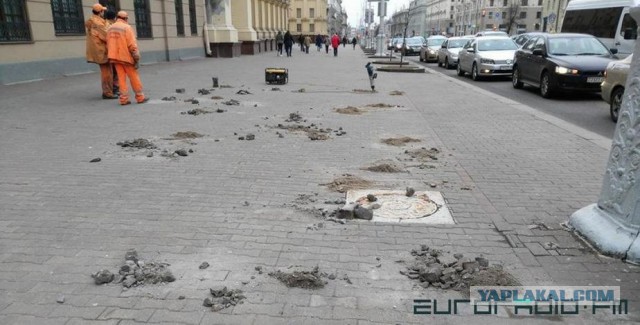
[
  {"x": 615, "y": 79},
  {"x": 448, "y": 52},
  {"x": 487, "y": 56}
]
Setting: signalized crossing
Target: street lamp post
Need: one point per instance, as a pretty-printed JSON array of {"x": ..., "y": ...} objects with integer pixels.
[{"x": 613, "y": 224}]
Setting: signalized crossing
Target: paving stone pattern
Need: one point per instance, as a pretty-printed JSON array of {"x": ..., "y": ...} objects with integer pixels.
[{"x": 509, "y": 178}]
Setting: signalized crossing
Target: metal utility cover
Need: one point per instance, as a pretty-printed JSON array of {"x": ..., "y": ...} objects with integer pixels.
[{"x": 425, "y": 207}]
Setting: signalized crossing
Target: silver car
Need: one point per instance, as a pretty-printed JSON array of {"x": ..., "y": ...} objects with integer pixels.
[
  {"x": 615, "y": 78},
  {"x": 429, "y": 52},
  {"x": 448, "y": 52},
  {"x": 487, "y": 56}
]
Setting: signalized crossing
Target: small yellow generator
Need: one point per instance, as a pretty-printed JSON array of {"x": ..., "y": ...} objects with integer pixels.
[{"x": 276, "y": 75}]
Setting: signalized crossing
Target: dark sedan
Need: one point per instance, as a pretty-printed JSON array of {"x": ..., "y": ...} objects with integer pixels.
[{"x": 561, "y": 62}]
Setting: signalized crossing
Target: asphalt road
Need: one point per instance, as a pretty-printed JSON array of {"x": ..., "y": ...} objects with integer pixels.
[{"x": 588, "y": 111}]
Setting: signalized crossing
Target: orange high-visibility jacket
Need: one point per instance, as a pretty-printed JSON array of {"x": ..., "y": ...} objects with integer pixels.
[
  {"x": 96, "y": 28},
  {"x": 121, "y": 43}
]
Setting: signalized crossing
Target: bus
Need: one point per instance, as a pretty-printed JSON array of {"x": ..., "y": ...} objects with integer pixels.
[{"x": 608, "y": 20}]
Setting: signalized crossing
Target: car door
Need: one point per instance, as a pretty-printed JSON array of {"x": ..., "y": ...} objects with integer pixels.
[
  {"x": 538, "y": 60},
  {"x": 442, "y": 52},
  {"x": 523, "y": 59},
  {"x": 625, "y": 38},
  {"x": 466, "y": 57}
]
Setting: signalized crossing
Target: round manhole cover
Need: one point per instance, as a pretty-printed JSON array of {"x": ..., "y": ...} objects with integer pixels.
[{"x": 398, "y": 206}]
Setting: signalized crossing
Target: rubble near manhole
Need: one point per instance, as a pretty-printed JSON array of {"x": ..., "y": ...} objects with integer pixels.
[
  {"x": 349, "y": 110},
  {"x": 383, "y": 168},
  {"x": 396, "y": 93},
  {"x": 196, "y": 111},
  {"x": 434, "y": 268},
  {"x": 186, "y": 135},
  {"x": 136, "y": 272},
  {"x": 399, "y": 142},
  {"x": 223, "y": 298},
  {"x": 139, "y": 143},
  {"x": 423, "y": 154},
  {"x": 395, "y": 206},
  {"x": 347, "y": 182},
  {"x": 313, "y": 133}
]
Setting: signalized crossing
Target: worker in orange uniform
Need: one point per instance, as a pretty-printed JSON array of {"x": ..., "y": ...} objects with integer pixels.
[
  {"x": 96, "y": 28},
  {"x": 123, "y": 53}
]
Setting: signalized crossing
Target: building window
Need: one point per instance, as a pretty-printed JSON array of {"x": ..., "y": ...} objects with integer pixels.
[
  {"x": 298, "y": 12},
  {"x": 523, "y": 15},
  {"x": 504, "y": 15},
  {"x": 143, "y": 18},
  {"x": 525, "y": 3},
  {"x": 68, "y": 18},
  {"x": 490, "y": 14},
  {"x": 112, "y": 5},
  {"x": 14, "y": 25},
  {"x": 539, "y": 2},
  {"x": 193, "y": 21},
  {"x": 179, "y": 18},
  {"x": 539, "y": 14},
  {"x": 312, "y": 13},
  {"x": 312, "y": 28},
  {"x": 504, "y": 3},
  {"x": 298, "y": 27}
]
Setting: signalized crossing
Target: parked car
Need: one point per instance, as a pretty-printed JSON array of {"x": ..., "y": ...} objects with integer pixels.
[
  {"x": 413, "y": 45},
  {"x": 615, "y": 79},
  {"x": 523, "y": 38},
  {"x": 561, "y": 62},
  {"x": 492, "y": 33},
  {"x": 487, "y": 56},
  {"x": 429, "y": 52},
  {"x": 448, "y": 52}
]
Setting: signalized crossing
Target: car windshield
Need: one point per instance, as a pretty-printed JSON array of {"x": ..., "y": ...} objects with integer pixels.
[
  {"x": 497, "y": 45},
  {"x": 414, "y": 41},
  {"x": 457, "y": 43},
  {"x": 435, "y": 41},
  {"x": 576, "y": 46}
]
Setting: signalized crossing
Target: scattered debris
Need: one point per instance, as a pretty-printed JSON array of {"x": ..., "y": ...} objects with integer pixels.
[
  {"x": 193, "y": 101},
  {"x": 169, "y": 99},
  {"x": 438, "y": 269},
  {"x": 95, "y": 160},
  {"x": 204, "y": 91},
  {"x": 60, "y": 299},
  {"x": 301, "y": 90},
  {"x": 219, "y": 110},
  {"x": 349, "y": 110},
  {"x": 250, "y": 137},
  {"x": 231, "y": 102},
  {"x": 348, "y": 182},
  {"x": 135, "y": 272},
  {"x": 226, "y": 86},
  {"x": 243, "y": 92},
  {"x": 203, "y": 265},
  {"x": 181, "y": 297},
  {"x": 223, "y": 298},
  {"x": 410, "y": 192},
  {"x": 275, "y": 89},
  {"x": 466, "y": 188},
  {"x": 399, "y": 142},
  {"x": 181, "y": 152},
  {"x": 196, "y": 111},
  {"x": 396, "y": 93},
  {"x": 294, "y": 117},
  {"x": 180, "y": 90},
  {"x": 371, "y": 198},
  {"x": 314, "y": 133},
  {"x": 381, "y": 105},
  {"x": 186, "y": 135},
  {"x": 423, "y": 154},
  {"x": 383, "y": 168},
  {"x": 301, "y": 279},
  {"x": 137, "y": 144},
  {"x": 217, "y": 97}
]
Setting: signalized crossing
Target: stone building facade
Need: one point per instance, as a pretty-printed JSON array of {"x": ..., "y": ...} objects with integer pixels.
[
  {"x": 46, "y": 39},
  {"x": 308, "y": 17}
]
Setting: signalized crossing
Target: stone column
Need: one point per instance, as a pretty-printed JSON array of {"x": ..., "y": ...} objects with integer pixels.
[
  {"x": 243, "y": 21},
  {"x": 613, "y": 224},
  {"x": 223, "y": 37}
]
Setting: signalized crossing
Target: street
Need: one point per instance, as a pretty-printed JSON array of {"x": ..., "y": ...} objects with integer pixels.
[{"x": 588, "y": 111}]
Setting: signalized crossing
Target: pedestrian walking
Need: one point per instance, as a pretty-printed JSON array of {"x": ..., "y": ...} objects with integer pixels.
[
  {"x": 335, "y": 43},
  {"x": 279, "y": 42},
  {"x": 327, "y": 42},
  {"x": 344, "y": 40},
  {"x": 319, "y": 42},
  {"x": 124, "y": 54},
  {"x": 288, "y": 43},
  {"x": 96, "y": 51},
  {"x": 307, "y": 43},
  {"x": 301, "y": 41},
  {"x": 110, "y": 17},
  {"x": 354, "y": 41}
]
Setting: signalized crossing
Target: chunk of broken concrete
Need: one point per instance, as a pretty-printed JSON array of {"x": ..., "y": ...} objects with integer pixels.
[
  {"x": 361, "y": 212},
  {"x": 347, "y": 211},
  {"x": 102, "y": 276}
]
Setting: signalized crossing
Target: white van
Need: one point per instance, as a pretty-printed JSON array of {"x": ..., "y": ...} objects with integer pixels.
[{"x": 608, "y": 20}]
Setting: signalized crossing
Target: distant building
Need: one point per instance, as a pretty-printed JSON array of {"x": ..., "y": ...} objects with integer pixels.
[
  {"x": 553, "y": 15},
  {"x": 308, "y": 17},
  {"x": 512, "y": 16}
]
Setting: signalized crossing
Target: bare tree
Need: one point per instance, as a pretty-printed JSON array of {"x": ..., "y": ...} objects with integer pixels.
[
  {"x": 513, "y": 14},
  {"x": 406, "y": 19}
]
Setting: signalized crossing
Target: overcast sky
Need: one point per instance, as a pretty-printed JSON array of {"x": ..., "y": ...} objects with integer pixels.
[{"x": 354, "y": 9}]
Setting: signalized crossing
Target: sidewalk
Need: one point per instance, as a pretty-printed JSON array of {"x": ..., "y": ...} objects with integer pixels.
[{"x": 509, "y": 177}]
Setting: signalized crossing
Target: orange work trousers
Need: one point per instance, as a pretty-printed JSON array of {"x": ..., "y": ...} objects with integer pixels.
[
  {"x": 106, "y": 74},
  {"x": 124, "y": 71}
]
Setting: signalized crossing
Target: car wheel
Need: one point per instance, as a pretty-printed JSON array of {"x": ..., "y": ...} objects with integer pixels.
[
  {"x": 459, "y": 70},
  {"x": 446, "y": 63},
  {"x": 474, "y": 72},
  {"x": 616, "y": 103},
  {"x": 515, "y": 78},
  {"x": 545, "y": 86}
]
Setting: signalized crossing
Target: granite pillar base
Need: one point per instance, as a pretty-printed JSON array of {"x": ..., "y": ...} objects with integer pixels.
[
  {"x": 250, "y": 48},
  {"x": 226, "y": 50}
]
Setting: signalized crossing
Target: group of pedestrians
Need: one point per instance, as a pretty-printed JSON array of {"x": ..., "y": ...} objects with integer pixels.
[
  {"x": 112, "y": 45},
  {"x": 287, "y": 40}
]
